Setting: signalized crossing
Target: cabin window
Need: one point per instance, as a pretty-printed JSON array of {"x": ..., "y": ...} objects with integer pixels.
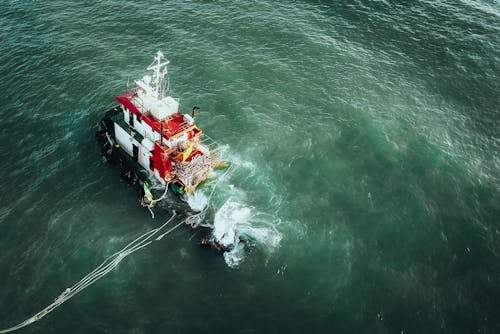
[{"x": 135, "y": 152}]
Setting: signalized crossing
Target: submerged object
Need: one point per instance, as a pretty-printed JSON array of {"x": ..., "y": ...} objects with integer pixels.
[{"x": 146, "y": 132}]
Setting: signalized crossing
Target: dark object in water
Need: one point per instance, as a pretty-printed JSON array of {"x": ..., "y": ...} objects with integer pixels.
[{"x": 213, "y": 244}]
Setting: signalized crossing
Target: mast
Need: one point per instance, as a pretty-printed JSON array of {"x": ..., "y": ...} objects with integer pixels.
[{"x": 158, "y": 73}]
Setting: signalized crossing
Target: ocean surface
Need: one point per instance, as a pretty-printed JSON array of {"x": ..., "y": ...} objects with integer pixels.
[{"x": 365, "y": 137}]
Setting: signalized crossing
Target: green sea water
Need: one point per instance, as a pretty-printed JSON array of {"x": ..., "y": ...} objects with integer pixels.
[{"x": 366, "y": 140}]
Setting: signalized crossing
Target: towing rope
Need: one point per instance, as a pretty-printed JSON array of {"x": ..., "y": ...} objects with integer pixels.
[
  {"x": 104, "y": 268},
  {"x": 153, "y": 202},
  {"x": 230, "y": 169},
  {"x": 112, "y": 261}
]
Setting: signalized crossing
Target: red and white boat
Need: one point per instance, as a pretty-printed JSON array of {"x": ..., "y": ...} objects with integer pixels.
[{"x": 147, "y": 134}]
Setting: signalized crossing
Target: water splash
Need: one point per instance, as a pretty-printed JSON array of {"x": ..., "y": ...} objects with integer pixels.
[
  {"x": 235, "y": 222},
  {"x": 228, "y": 218},
  {"x": 235, "y": 256},
  {"x": 197, "y": 201}
]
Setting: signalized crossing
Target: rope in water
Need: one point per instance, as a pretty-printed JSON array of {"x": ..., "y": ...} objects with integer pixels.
[
  {"x": 230, "y": 169},
  {"x": 153, "y": 202},
  {"x": 112, "y": 262},
  {"x": 104, "y": 268}
]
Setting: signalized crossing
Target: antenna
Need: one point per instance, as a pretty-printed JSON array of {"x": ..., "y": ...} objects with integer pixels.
[
  {"x": 161, "y": 133},
  {"x": 158, "y": 74}
]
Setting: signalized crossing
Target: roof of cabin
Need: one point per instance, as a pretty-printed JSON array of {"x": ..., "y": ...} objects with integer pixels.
[{"x": 172, "y": 125}]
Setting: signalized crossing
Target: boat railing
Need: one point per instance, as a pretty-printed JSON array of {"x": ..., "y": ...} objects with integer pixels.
[
  {"x": 139, "y": 103},
  {"x": 183, "y": 126},
  {"x": 208, "y": 141}
]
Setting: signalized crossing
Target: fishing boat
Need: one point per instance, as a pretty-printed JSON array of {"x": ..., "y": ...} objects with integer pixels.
[{"x": 153, "y": 142}]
